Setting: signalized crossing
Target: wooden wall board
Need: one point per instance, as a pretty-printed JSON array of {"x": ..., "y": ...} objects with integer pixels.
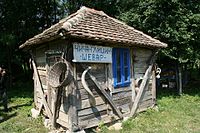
[
  {"x": 91, "y": 116},
  {"x": 63, "y": 116},
  {"x": 122, "y": 101},
  {"x": 82, "y": 104},
  {"x": 62, "y": 123},
  {"x": 95, "y": 121},
  {"x": 143, "y": 52},
  {"x": 145, "y": 104},
  {"x": 92, "y": 110},
  {"x": 122, "y": 94},
  {"x": 42, "y": 72}
]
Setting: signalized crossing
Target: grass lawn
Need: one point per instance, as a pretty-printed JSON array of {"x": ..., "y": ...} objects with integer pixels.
[
  {"x": 174, "y": 114},
  {"x": 18, "y": 119}
]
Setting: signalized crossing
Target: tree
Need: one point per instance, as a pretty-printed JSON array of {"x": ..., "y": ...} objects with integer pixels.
[
  {"x": 175, "y": 22},
  {"x": 21, "y": 20},
  {"x": 108, "y": 6}
]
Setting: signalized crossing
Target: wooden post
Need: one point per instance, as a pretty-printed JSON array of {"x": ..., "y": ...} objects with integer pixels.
[
  {"x": 49, "y": 98},
  {"x": 180, "y": 79},
  {"x": 72, "y": 97},
  {"x": 56, "y": 105},
  {"x": 154, "y": 85},
  {"x": 132, "y": 76}
]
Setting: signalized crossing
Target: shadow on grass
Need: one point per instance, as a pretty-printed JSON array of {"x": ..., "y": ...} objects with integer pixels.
[
  {"x": 18, "y": 90},
  {"x": 11, "y": 108},
  {"x": 5, "y": 117}
]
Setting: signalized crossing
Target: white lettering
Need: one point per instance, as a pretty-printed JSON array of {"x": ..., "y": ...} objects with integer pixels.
[{"x": 92, "y": 53}]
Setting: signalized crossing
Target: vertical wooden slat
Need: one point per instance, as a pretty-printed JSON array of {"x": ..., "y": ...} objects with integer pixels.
[
  {"x": 154, "y": 86},
  {"x": 110, "y": 79},
  {"x": 48, "y": 87},
  {"x": 56, "y": 102},
  {"x": 132, "y": 75},
  {"x": 72, "y": 97}
]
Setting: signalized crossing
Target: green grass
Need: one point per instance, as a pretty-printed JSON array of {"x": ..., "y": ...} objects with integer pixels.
[
  {"x": 175, "y": 114},
  {"x": 18, "y": 119}
]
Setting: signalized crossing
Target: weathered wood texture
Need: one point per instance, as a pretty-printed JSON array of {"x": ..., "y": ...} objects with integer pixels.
[
  {"x": 89, "y": 116},
  {"x": 141, "y": 57},
  {"x": 40, "y": 90},
  {"x": 45, "y": 56},
  {"x": 123, "y": 100},
  {"x": 106, "y": 96},
  {"x": 144, "y": 83},
  {"x": 154, "y": 85}
]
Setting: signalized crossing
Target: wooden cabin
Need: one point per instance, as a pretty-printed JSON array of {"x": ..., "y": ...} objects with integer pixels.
[{"x": 110, "y": 63}]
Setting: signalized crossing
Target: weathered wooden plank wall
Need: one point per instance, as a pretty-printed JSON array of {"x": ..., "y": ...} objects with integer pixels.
[
  {"x": 89, "y": 116},
  {"x": 44, "y": 63},
  {"x": 141, "y": 56}
]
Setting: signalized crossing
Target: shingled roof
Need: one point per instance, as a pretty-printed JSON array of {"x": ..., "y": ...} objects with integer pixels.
[{"x": 95, "y": 25}]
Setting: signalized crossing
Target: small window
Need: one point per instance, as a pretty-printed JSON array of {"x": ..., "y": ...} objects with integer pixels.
[{"x": 121, "y": 67}]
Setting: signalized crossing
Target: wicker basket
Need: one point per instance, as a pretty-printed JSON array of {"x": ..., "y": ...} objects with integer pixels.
[{"x": 60, "y": 74}]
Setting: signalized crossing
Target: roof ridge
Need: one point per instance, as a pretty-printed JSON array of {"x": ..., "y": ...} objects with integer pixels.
[
  {"x": 79, "y": 15},
  {"x": 91, "y": 10}
]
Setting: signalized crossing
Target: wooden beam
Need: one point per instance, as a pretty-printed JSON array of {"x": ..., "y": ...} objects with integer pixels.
[
  {"x": 132, "y": 76},
  {"x": 40, "y": 89},
  {"x": 154, "y": 85},
  {"x": 72, "y": 99},
  {"x": 106, "y": 96},
  {"x": 56, "y": 105},
  {"x": 143, "y": 84}
]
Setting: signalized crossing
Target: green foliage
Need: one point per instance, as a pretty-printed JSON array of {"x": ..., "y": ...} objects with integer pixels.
[
  {"x": 108, "y": 6},
  {"x": 21, "y": 20},
  {"x": 102, "y": 127},
  {"x": 175, "y": 22}
]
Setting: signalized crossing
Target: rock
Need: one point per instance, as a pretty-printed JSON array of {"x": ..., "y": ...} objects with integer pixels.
[
  {"x": 116, "y": 126},
  {"x": 35, "y": 113},
  {"x": 125, "y": 118},
  {"x": 47, "y": 123}
]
